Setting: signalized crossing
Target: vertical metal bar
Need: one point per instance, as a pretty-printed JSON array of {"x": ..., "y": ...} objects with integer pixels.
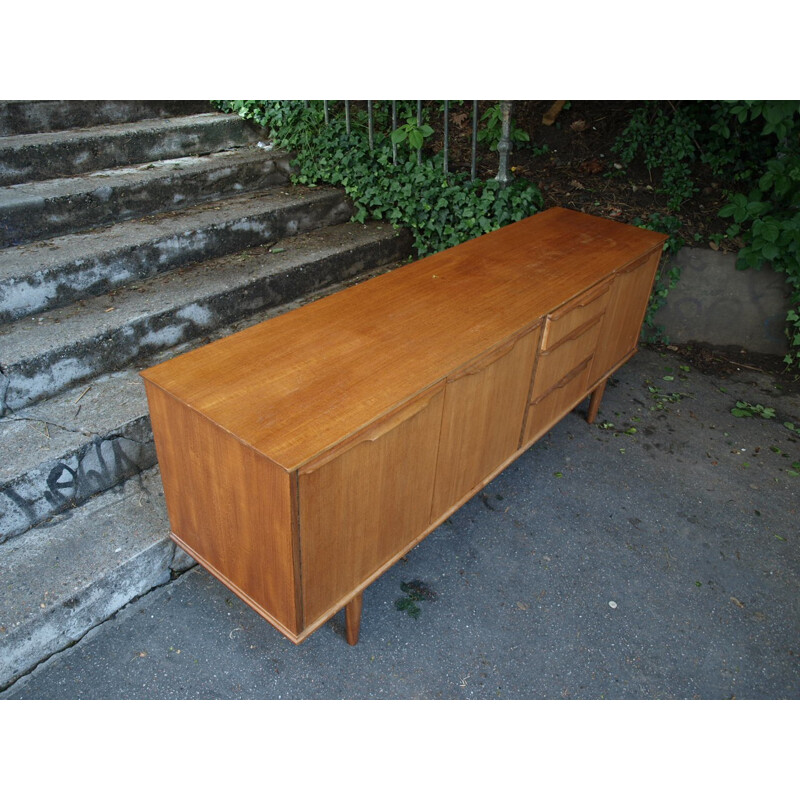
[
  {"x": 446, "y": 132},
  {"x": 394, "y": 128},
  {"x": 327, "y": 117},
  {"x": 474, "y": 170},
  {"x": 504, "y": 145},
  {"x": 419, "y": 125},
  {"x": 305, "y": 103},
  {"x": 371, "y": 125},
  {"x": 347, "y": 115}
]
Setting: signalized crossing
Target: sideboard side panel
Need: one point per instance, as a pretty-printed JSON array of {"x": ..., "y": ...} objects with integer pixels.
[{"x": 230, "y": 505}]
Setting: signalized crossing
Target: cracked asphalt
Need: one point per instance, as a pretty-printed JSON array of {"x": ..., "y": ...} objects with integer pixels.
[{"x": 654, "y": 554}]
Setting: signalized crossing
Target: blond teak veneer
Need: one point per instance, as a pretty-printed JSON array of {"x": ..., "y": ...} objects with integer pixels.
[{"x": 303, "y": 456}]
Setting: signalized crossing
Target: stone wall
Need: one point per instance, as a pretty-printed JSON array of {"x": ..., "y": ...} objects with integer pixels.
[{"x": 717, "y": 304}]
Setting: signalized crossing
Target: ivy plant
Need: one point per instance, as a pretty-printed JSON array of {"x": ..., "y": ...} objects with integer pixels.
[
  {"x": 440, "y": 210},
  {"x": 754, "y": 145}
]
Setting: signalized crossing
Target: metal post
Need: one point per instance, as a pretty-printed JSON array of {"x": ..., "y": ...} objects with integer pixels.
[
  {"x": 371, "y": 125},
  {"x": 327, "y": 118},
  {"x": 394, "y": 128},
  {"x": 446, "y": 131},
  {"x": 419, "y": 125},
  {"x": 474, "y": 171},
  {"x": 347, "y": 115},
  {"x": 504, "y": 145}
]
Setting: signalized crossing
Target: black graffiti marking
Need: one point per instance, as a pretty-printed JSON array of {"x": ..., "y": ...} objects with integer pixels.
[
  {"x": 67, "y": 486},
  {"x": 56, "y": 484}
]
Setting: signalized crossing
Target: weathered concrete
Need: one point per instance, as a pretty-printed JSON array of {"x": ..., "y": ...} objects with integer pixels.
[
  {"x": 55, "y": 273},
  {"x": 652, "y": 555},
  {"x": 39, "y": 156},
  {"x": 60, "y": 581},
  {"x": 83, "y": 602},
  {"x": 44, "y": 209},
  {"x": 59, "y": 453},
  {"x": 45, "y": 355},
  {"x": 720, "y": 305},
  {"x": 38, "y": 116},
  {"x": 62, "y": 451}
]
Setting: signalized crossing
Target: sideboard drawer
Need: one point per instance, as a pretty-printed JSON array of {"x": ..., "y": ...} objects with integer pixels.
[
  {"x": 562, "y": 359},
  {"x": 571, "y": 316},
  {"x": 548, "y": 409}
]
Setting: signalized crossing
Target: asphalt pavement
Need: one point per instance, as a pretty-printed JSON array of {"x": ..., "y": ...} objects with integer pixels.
[{"x": 654, "y": 554}]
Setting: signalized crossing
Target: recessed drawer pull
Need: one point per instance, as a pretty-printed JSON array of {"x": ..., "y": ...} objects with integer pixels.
[
  {"x": 491, "y": 357},
  {"x": 577, "y": 333},
  {"x": 584, "y": 300},
  {"x": 634, "y": 265},
  {"x": 568, "y": 378},
  {"x": 376, "y": 431},
  {"x": 572, "y": 317}
]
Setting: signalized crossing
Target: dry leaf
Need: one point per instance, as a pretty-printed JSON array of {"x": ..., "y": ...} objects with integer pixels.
[
  {"x": 592, "y": 166},
  {"x": 736, "y": 602},
  {"x": 578, "y": 125}
]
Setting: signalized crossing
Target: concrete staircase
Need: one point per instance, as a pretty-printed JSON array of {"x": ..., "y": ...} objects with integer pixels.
[{"x": 129, "y": 232}]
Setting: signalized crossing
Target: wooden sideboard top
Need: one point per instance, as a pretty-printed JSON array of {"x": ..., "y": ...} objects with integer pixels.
[{"x": 297, "y": 384}]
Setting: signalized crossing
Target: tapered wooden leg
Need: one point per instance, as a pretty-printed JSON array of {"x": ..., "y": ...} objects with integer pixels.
[
  {"x": 352, "y": 618},
  {"x": 594, "y": 403}
]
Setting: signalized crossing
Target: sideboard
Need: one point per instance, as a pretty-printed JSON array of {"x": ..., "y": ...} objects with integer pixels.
[{"x": 305, "y": 455}]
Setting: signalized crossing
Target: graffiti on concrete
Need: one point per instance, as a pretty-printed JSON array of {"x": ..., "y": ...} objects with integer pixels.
[{"x": 38, "y": 496}]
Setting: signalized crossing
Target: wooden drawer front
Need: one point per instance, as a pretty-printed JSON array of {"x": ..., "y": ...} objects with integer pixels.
[
  {"x": 484, "y": 407},
  {"x": 571, "y": 316},
  {"x": 366, "y": 500},
  {"x": 554, "y": 364},
  {"x": 556, "y": 403}
]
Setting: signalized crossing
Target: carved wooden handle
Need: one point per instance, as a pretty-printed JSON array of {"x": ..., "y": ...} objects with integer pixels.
[
  {"x": 376, "y": 430},
  {"x": 634, "y": 265},
  {"x": 569, "y": 377},
  {"x": 587, "y": 298},
  {"x": 577, "y": 333},
  {"x": 487, "y": 359}
]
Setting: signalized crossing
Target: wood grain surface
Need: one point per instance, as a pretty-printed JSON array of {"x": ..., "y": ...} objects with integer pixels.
[
  {"x": 301, "y": 382},
  {"x": 303, "y": 456}
]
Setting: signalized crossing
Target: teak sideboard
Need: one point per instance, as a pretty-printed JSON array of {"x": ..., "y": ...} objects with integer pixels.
[{"x": 305, "y": 455}]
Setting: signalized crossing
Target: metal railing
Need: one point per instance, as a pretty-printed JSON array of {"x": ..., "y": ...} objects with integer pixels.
[{"x": 503, "y": 147}]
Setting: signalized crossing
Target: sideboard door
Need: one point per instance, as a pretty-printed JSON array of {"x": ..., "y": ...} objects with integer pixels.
[
  {"x": 364, "y": 502},
  {"x": 484, "y": 406},
  {"x": 619, "y": 336}
]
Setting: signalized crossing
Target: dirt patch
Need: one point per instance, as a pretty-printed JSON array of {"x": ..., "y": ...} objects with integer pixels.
[
  {"x": 725, "y": 361},
  {"x": 580, "y": 170}
]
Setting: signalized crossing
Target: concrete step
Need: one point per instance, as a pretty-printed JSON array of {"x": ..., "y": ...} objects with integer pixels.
[
  {"x": 44, "y": 209},
  {"x": 40, "y": 156},
  {"x": 40, "y": 116},
  {"x": 64, "y": 450},
  {"x": 64, "y": 579},
  {"x": 89, "y": 556},
  {"x": 42, "y": 356},
  {"x": 53, "y": 273}
]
